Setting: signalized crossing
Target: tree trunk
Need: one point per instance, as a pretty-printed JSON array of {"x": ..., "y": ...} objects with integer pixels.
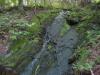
[
  {"x": 84, "y": 2},
  {"x": 20, "y": 7},
  {"x": 2, "y": 5}
]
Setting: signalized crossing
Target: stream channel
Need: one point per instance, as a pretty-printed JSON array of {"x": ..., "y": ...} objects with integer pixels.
[{"x": 62, "y": 50}]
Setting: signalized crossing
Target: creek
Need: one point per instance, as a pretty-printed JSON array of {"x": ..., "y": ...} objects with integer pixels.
[{"x": 57, "y": 59}]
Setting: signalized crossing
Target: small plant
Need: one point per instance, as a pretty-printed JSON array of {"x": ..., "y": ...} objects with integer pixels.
[{"x": 64, "y": 29}]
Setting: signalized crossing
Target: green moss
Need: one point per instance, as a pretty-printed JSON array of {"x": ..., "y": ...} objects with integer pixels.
[{"x": 64, "y": 29}]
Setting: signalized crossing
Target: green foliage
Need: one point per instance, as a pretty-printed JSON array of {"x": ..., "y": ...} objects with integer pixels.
[
  {"x": 98, "y": 60},
  {"x": 83, "y": 51},
  {"x": 83, "y": 63},
  {"x": 96, "y": 1},
  {"x": 15, "y": 28},
  {"x": 21, "y": 28},
  {"x": 2, "y": 2},
  {"x": 14, "y": 1},
  {"x": 90, "y": 34},
  {"x": 64, "y": 29},
  {"x": 84, "y": 66},
  {"x": 91, "y": 40},
  {"x": 25, "y": 38}
]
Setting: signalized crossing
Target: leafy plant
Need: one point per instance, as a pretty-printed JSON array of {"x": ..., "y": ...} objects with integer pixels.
[{"x": 64, "y": 29}]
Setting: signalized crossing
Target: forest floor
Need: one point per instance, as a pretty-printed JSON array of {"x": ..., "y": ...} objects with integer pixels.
[{"x": 24, "y": 32}]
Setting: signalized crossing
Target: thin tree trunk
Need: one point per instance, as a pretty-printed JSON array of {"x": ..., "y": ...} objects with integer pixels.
[
  {"x": 21, "y": 8},
  {"x": 84, "y": 2}
]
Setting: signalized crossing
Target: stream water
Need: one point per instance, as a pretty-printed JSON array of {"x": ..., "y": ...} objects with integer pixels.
[{"x": 64, "y": 48}]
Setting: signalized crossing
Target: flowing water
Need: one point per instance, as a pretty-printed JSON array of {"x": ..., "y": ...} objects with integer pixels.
[
  {"x": 64, "y": 48},
  {"x": 30, "y": 67}
]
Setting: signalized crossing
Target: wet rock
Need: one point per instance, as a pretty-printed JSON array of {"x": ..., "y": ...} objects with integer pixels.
[
  {"x": 72, "y": 59},
  {"x": 72, "y": 21}
]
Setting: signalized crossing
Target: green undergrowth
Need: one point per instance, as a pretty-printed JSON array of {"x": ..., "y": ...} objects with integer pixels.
[
  {"x": 89, "y": 30},
  {"x": 90, "y": 37},
  {"x": 64, "y": 29},
  {"x": 25, "y": 37},
  {"x": 86, "y": 50}
]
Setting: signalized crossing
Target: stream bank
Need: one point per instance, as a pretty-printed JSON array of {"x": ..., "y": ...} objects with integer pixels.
[
  {"x": 87, "y": 54},
  {"x": 22, "y": 48}
]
